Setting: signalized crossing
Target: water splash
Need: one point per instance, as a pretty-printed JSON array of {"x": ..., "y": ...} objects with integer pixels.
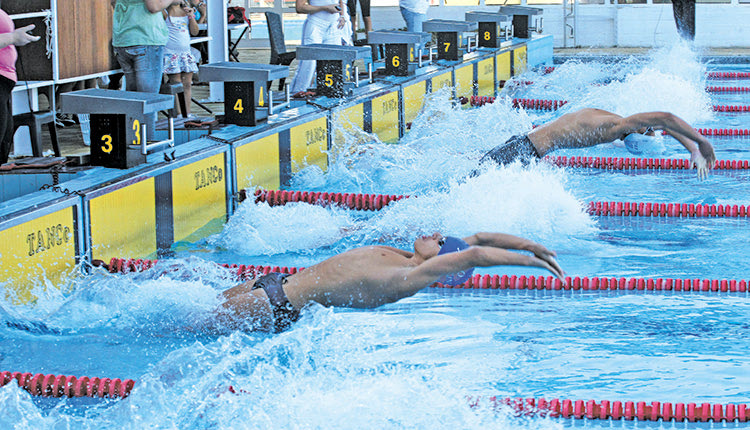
[{"x": 259, "y": 229}]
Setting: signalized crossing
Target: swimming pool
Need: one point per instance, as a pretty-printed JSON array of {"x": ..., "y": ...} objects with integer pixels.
[{"x": 413, "y": 363}]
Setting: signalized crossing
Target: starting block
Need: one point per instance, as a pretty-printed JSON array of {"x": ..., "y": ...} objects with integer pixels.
[
  {"x": 403, "y": 50},
  {"x": 494, "y": 28},
  {"x": 449, "y": 33},
  {"x": 523, "y": 17},
  {"x": 336, "y": 74},
  {"x": 247, "y": 98},
  {"x": 118, "y": 123}
]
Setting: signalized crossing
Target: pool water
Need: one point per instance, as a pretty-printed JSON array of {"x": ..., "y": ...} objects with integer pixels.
[{"x": 412, "y": 364}]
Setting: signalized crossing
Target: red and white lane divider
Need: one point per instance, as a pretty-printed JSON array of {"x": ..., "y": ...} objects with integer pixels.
[
  {"x": 553, "y": 105},
  {"x": 618, "y": 163},
  {"x": 709, "y": 75},
  {"x": 71, "y": 386},
  {"x": 376, "y": 202},
  {"x": 714, "y": 89},
  {"x": 668, "y": 210},
  {"x": 728, "y": 75},
  {"x": 643, "y": 411},
  {"x": 494, "y": 282},
  {"x": 710, "y": 89}
]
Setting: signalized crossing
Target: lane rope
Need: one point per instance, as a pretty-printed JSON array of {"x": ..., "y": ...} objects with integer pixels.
[
  {"x": 43, "y": 385},
  {"x": 58, "y": 386},
  {"x": 515, "y": 84},
  {"x": 373, "y": 202},
  {"x": 620, "y": 163},
  {"x": 709, "y": 75},
  {"x": 553, "y": 105},
  {"x": 245, "y": 272},
  {"x": 617, "y": 410}
]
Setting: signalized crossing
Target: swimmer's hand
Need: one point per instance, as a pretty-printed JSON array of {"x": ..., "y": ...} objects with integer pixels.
[
  {"x": 703, "y": 160},
  {"x": 548, "y": 257}
]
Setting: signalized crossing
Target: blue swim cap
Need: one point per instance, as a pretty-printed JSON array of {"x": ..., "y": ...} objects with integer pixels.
[
  {"x": 638, "y": 144},
  {"x": 454, "y": 244}
]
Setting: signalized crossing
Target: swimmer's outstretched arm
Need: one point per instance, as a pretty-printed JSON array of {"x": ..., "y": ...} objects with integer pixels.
[
  {"x": 508, "y": 241},
  {"x": 701, "y": 150},
  {"x": 411, "y": 280}
]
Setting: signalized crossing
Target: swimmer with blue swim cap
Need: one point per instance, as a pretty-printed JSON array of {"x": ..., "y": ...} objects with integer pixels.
[
  {"x": 371, "y": 276},
  {"x": 589, "y": 127}
]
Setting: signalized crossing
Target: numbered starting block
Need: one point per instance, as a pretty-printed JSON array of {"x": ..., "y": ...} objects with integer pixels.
[
  {"x": 525, "y": 19},
  {"x": 494, "y": 28},
  {"x": 118, "y": 123},
  {"x": 247, "y": 98},
  {"x": 336, "y": 73},
  {"x": 403, "y": 50},
  {"x": 450, "y": 44}
]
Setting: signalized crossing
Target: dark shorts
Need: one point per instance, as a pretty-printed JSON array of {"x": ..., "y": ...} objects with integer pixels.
[
  {"x": 516, "y": 148},
  {"x": 284, "y": 314},
  {"x": 363, "y": 4}
]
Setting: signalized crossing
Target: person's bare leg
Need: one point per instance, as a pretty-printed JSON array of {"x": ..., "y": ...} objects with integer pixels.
[
  {"x": 187, "y": 88},
  {"x": 174, "y": 78},
  {"x": 368, "y": 24}
]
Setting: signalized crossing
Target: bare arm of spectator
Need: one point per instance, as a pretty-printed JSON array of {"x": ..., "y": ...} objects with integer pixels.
[{"x": 18, "y": 37}]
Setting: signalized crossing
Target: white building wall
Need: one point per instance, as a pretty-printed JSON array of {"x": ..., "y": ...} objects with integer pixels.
[{"x": 610, "y": 25}]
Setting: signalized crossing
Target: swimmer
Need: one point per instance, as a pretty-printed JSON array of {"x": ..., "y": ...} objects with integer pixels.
[
  {"x": 590, "y": 127},
  {"x": 371, "y": 276}
]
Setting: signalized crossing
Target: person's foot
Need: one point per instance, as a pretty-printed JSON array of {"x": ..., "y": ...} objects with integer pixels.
[{"x": 64, "y": 120}]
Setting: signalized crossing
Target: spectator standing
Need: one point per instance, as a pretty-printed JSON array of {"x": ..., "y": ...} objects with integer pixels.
[
  {"x": 364, "y": 6},
  {"x": 139, "y": 35},
  {"x": 179, "y": 61},
  {"x": 326, "y": 22},
  {"x": 684, "y": 18},
  {"x": 414, "y": 13},
  {"x": 10, "y": 37}
]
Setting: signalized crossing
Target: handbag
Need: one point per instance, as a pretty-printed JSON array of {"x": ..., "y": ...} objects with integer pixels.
[{"x": 236, "y": 15}]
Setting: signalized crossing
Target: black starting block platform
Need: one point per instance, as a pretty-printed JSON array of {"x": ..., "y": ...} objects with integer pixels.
[
  {"x": 247, "y": 98},
  {"x": 403, "y": 50},
  {"x": 525, "y": 19},
  {"x": 493, "y": 28},
  {"x": 450, "y": 44},
  {"x": 336, "y": 73},
  {"x": 118, "y": 129}
]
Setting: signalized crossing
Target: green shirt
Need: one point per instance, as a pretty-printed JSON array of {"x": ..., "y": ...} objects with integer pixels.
[{"x": 133, "y": 24}]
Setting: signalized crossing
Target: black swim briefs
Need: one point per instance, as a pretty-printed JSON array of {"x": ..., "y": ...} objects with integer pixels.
[
  {"x": 516, "y": 148},
  {"x": 284, "y": 313},
  {"x": 363, "y": 4}
]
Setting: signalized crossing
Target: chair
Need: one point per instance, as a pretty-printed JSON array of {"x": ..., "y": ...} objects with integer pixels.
[
  {"x": 35, "y": 121},
  {"x": 279, "y": 54}
]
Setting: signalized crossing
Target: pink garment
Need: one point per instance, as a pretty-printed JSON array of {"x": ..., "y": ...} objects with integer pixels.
[{"x": 8, "y": 55}]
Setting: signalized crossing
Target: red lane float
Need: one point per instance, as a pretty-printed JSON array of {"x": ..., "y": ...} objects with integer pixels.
[
  {"x": 681, "y": 210},
  {"x": 709, "y": 75},
  {"x": 722, "y": 132},
  {"x": 71, "y": 386},
  {"x": 728, "y": 89},
  {"x": 498, "y": 282},
  {"x": 618, "y": 163},
  {"x": 376, "y": 202},
  {"x": 728, "y": 75},
  {"x": 551, "y": 105},
  {"x": 710, "y": 89},
  {"x": 616, "y": 410},
  {"x": 57, "y": 386}
]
